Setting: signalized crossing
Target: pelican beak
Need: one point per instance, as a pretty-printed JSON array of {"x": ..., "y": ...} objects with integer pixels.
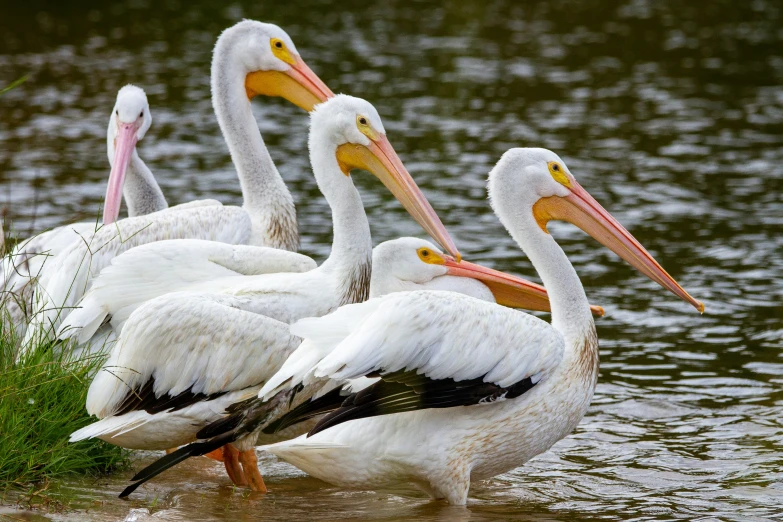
[
  {"x": 582, "y": 210},
  {"x": 298, "y": 84},
  {"x": 508, "y": 290},
  {"x": 124, "y": 144},
  {"x": 379, "y": 158}
]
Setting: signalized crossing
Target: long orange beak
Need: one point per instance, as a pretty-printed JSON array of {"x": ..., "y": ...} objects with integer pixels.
[
  {"x": 508, "y": 290},
  {"x": 298, "y": 84},
  {"x": 582, "y": 210},
  {"x": 124, "y": 144},
  {"x": 380, "y": 158}
]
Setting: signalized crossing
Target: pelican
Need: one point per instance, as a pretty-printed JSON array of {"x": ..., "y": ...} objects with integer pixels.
[
  {"x": 251, "y": 58},
  {"x": 130, "y": 178},
  {"x": 467, "y": 389},
  {"x": 400, "y": 265},
  {"x": 183, "y": 357}
]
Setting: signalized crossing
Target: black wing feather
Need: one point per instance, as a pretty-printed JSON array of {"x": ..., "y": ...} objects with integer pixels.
[
  {"x": 403, "y": 391},
  {"x": 307, "y": 410},
  {"x": 143, "y": 398}
]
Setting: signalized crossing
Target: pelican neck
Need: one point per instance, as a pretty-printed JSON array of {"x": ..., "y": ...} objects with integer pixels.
[
  {"x": 141, "y": 190},
  {"x": 265, "y": 195},
  {"x": 351, "y": 257},
  {"x": 571, "y": 314}
]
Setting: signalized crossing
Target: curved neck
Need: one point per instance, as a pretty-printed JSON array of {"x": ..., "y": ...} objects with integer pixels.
[
  {"x": 571, "y": 314},
  {"x": 140, "y": 190},
  {"x": 266, "y": 197},
  {"x": 350, "y": 260}
]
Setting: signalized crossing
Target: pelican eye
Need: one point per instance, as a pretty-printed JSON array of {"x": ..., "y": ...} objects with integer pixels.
[
  {"x": 428, "y": 256},
  {"x": 117, "y": 112},
  {"x": 363, "y": 123},
  {"x": 280, "y": 50},
  {"x": 141, "y": 114},
  {"x": 558, "y": 173}
]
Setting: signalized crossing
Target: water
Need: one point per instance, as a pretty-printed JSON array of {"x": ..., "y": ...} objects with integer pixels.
[{"x": 669, "y": 113}]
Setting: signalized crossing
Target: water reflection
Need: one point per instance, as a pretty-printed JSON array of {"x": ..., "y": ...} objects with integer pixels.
[{"x": 671, "y": 114}]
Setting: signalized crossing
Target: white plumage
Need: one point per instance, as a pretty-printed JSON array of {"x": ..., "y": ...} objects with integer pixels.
[
  {"x": 64, "y": 279},
  {"x": 155, "y": 269},
  {"x": 435, "y": 332},
  {"x": 159, "y": 268}
]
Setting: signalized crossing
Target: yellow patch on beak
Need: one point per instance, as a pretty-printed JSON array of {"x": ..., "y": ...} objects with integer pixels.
[
  {"x": 352, "y": 156},
  {"x": 280, "y": 83},
  {"x": 542, "y": 212}
]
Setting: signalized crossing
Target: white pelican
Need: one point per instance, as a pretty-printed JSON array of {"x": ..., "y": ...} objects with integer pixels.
[
  {"x": 467, "y": 389},
  {"x": 129, "y": 122},
  {"x": 251, "y": 58},
  {"x": 183, "y": 357}
]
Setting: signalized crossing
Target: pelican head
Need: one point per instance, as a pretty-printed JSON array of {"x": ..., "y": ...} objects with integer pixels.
[
  {"x": 409, "y": 263},
  {"x": 358, "y": 141},
  {"x": 533, "y": 183},
  {"x": 129, "y": 122},
  {"x": 267, "y": 58}
]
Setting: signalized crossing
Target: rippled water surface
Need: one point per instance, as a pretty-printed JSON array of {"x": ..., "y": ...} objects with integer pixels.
[{"x": 669, "y": 113}]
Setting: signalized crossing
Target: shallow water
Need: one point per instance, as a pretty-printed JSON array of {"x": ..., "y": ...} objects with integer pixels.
[{"x": 669, "y": 113}]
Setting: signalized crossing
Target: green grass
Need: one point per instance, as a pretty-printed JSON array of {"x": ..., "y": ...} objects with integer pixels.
[
  {"x": 42, "y": 401},
  {"x": 13, "y": 84}
]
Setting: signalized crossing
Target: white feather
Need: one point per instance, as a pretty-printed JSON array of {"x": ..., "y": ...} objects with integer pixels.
[{"x": 155, "y": 269}]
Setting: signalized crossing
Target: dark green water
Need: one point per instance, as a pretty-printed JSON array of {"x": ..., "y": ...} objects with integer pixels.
[{"x": 669, "y": 113}]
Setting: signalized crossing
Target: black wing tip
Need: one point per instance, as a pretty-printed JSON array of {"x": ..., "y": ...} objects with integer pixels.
[
  {"x": 130, "y": 489},
  {"x": 168, "y": 461}
]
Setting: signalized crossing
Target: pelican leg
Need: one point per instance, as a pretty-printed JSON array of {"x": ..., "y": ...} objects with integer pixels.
[
  {"x": 215, "y": 455},
  {"x": 250, "y": 466},
  {"x": 231, "y": 461}
]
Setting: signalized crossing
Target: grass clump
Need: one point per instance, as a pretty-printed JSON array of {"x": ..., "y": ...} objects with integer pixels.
[{"x": 42, "y": 401}]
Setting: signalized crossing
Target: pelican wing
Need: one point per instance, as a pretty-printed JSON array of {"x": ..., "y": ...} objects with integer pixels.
[
  {"x": 429, "y": 349},
  {"x": 182, "y": 348},
  {"x": 151, "y": 270},
  {"x": 64, "y": 281}
]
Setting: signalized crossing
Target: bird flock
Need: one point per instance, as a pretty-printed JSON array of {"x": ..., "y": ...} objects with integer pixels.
[{"x": 401, "y": 363}]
